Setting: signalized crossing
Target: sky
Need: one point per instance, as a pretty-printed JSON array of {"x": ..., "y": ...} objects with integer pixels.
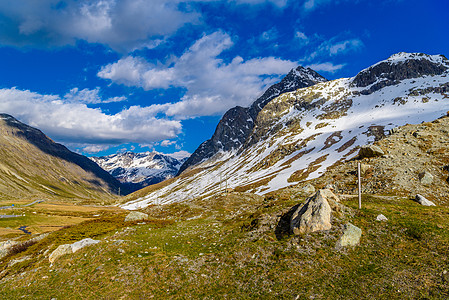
[{"x": 108, "y": 76}]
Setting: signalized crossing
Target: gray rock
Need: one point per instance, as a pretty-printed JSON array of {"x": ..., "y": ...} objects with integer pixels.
[
  {"x": 381, "y": 218},
  {"x": 60, "y": 251},
  {"x": 425, "y": 178},
  {"x": 136, "y": 216},
  {"x": 351, "y": 236},
  {"x": 315, "y": 213},
  {"x": 370, "y": 151},
  {"x": 423, "y": 201},
  {"x": 83, "y": 243}
]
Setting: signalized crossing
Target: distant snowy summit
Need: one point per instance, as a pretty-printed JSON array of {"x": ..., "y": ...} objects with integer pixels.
[{"x": 137, "y": 170}]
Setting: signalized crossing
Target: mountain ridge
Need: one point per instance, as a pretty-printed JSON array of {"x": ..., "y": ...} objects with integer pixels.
[
  {"x": 237, "y": 123},
  {"x": 33, "y": 165},
  {"x": 300, "y": 134},
  {"x": 138, "y": 170}
]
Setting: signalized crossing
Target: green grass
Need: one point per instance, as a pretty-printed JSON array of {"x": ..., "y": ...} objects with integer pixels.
[{"x": 215, "y": 250}]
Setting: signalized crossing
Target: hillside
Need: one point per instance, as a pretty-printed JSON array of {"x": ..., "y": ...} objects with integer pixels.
[
  {"x": 299, "y": 135},
  {"x": 32, "y": 166},
  {"x": 138, "y": 170}
]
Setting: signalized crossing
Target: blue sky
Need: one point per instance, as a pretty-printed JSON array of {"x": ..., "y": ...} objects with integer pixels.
[{"x": 108, "y": 75}]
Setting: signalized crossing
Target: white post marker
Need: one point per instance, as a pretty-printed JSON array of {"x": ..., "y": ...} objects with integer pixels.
[{"x": 360, "y": 185}]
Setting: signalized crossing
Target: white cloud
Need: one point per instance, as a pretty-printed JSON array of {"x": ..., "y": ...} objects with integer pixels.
[
  {"x": 166, "y": 143},
  {"x": 326, "y": 67},
  {"x": 212, "y": 85},
  {"x": 87, "y": 96},
  {"x": 335, "y": 46},
  {"x": 269, "y": 35},
  {"x": 301, "y": 36},
  {"x": 121, "y": 24},
  {"x": 179, "y": 155},
  {"x": 345, "y": 46},
  {"x": 76, "y": 123},
  {"x": 95, "y": 148}
]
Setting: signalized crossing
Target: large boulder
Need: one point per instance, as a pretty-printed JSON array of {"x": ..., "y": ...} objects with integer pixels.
[
  {"x": 315, "y": 214},
  {"x": 351, "y": 236},
  {"x": 370, "y": 151},
  {"x": 423, "y": 201},
  {"x": 135, "y": 216}
]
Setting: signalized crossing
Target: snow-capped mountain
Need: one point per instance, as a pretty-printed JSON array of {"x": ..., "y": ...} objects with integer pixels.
[
  {"x": 299, "y": 134},
  {"x": 137, "y": 170},
  {"x": 237, "y": 123}
]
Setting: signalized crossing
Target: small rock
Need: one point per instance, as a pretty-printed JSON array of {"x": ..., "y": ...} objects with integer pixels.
[
  {"x": 381, "y": 218},
  {"x": 351, "y": 236},
  {"x": 425, "y": 178},
  {"x": 370, "y": 151},
  {"x": 136, "y": 216},
  {"x": 423, "y": 201}
]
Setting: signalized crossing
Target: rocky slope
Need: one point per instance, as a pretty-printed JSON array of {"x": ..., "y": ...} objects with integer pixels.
[
  {"x": 300, "y": 134},
  {"x": 33, "y": 166},
  {"x": 138, "y": 170},
  {"x": 237, "y": 123}
]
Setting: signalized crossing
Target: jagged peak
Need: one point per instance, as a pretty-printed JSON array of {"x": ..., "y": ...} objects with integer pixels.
[
  {"x": 398, "y": 67},
  {"x": 309, "y": 73}
]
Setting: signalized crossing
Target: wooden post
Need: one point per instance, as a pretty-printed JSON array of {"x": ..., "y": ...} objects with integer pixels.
[{"x": 360, "y": 185}]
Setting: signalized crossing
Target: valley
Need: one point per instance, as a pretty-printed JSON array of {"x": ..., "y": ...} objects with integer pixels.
[{"x": 266, "y": 212}]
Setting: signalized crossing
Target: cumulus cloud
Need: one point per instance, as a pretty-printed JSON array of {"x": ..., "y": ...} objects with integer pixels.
[
  {"x": 166, "y": 143},
  {"x": 87, "y": 96},
  {"x": 121, "y": 24},
  {"x": 212, "y": 86},
  {"x": 76, "y": 123}
]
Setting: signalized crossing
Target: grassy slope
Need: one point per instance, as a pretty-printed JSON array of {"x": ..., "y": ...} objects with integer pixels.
[{"x": 218, "y": 248}]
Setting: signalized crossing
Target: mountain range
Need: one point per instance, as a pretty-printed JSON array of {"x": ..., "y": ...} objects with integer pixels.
[
  {"x": 34, "y": 166},
  {"x": 298, "y": 134},
  {"x": 138, "y": 170}
]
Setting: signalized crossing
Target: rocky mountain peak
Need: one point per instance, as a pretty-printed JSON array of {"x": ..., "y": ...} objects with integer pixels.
[
  {"x": 237, "y": 123},
  {"x": 398, "y": 67},
  {"x": 137, "y": 170}
]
